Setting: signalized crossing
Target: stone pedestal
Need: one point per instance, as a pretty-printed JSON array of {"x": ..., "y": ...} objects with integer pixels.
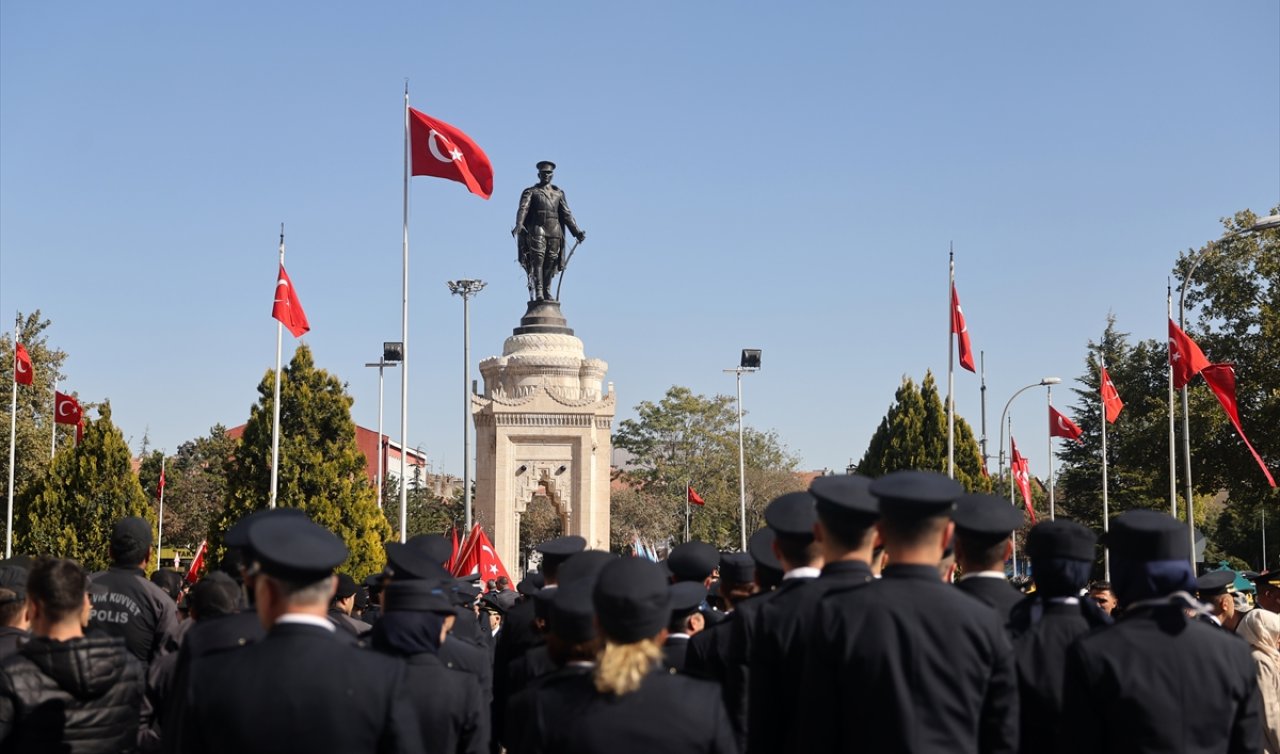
[{"x": 543, "y": 422}]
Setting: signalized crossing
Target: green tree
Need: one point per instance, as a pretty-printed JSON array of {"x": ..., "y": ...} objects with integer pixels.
[
  {"x": 913, "y": 435},
  {"x": 195, "y": 486},
  {"x": 426, "y": 512},
  {"x": 322, "y": 470},
  {"x": 693, "y": 439},
  {"x": 34, "y": 425},
  {"x": 71, "y": 509}
]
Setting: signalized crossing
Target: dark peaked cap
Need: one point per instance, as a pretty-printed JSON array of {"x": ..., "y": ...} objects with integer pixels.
[
  {"x": 1062, "y": 539},
  {"x": 238, "y": 534},
  {"x": 915, "y": 494},
  {"x": 1215, "y": 583},
  {"x": 845, "y": 495},
  {"x": 692, "y": 561},
  {"x": 1145, "y": 535},
  {"x": 761, "y": 548},
  {"x": 573, "y": 616},
  {"x": 986, "y": 515},
  {"x": 585, "y": 566},
  {"x": 737, "y": 567},
  {"x": 417, "y": 596},
  {"x": 792, "y": 515},
  {"x": 686, "y": 597},
  {"x": 346, "y": 587},
  {"x": 405, "y": 561},
  {"x": 295, "y": 549},
  {"x": 532, "y": 582},
  {"x": 560, "y": 548},
  {"x": 632, "y": 600},
  {"x": 433, "y": 546}
]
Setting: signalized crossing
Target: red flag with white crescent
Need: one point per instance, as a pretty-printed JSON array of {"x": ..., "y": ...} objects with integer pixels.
[
  {"x": 444, "y": 151},
  {"x": 287, "y": 308},
  {"x": 1061, "y": 426},
  {"x": 694, "y": 497},
  {"x": 960, "y": 329},
  {"x": 1111, "y": 403},
  {"x": 1021, "y": 470},
  {"x": 1222, "y": 380},
  {"x": 1185, "y": 356},
  {"x": 22, "y": 373},
  {"x": 193, "y": 572}
]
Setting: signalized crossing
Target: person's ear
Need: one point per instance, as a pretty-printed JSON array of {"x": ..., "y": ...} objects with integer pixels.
[
  {"x": 695, "y": 623},
  {"x": 948, "y": 533}
]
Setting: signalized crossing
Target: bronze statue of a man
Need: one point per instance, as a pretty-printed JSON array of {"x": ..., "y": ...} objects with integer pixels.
[{"x": 541, "y": 219}]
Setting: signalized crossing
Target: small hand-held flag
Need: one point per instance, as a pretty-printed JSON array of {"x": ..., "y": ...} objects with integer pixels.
[
  {"x": 1111, "y": 402},
  {"x": 287, "y": 308},
  {"x": 1222, "y": 380},
  {"x": 694, "y": 497},
  {"x": 960, "y": 329},
  {"x": 443, "y": 151},
  {"x": 67, "y": 411},
  {"x": 1061, "y": 426},
  {"x": 1185, "y": 356},
  {"x": 22, "y": 373}
]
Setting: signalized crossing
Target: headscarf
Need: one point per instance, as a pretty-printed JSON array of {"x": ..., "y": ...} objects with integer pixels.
[
  {"x": 1139, "y": 580},
  {"x": 1261, "y": 628},
  {"x": 408, "y": 632}
]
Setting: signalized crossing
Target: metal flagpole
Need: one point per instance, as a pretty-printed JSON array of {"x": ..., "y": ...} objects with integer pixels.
[
  {"x": 1106, "y": 506},
  {"x": 1049, "y": 395},
  {"x": 982, "y": 365},
  {"x": 742, "y": 472},
  {"x": 275, "y": 408},
  {"x": 1173, "y": 443},
  {"x": 689, "y": 511},
  {"x": 1012, "y": 500},
  {"x": 1186, "y": 441},
  {"x": 404, "y": 334},
  {"x": 53, "y": 442},
  {"x": 951, "y": 371},
  {"x": 160, "y": 527},
  {"x": 13, "y": 430}
]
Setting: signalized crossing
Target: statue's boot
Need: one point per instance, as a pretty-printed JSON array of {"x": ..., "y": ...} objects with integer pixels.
[{"x": 539, "y": 289}]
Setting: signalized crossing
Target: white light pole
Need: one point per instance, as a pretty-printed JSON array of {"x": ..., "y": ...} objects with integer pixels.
[
  {"x": 750, "y": 362},
  {"x": 466, "y": 289},
  {"x": 390, "y": 357},
  {"x": 1044, "y": 382}
]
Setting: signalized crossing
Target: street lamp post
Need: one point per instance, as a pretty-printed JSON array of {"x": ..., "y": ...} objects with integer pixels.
[
  {"x": 750, "y": 362},
  {"x": 390, "y": 358},
  {"x": 1044, "y": 382},
  {"x": 466, "y": 289},
  {"x": 1267, "y": 223}
]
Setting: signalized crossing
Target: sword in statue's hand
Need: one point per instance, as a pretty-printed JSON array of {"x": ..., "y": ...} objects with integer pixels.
[{"x": 565, "y": 266}]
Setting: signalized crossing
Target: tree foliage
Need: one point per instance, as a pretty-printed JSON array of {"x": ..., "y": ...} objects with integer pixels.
[
  {"x": 70, "y": 510},
  {"x": 195, "y": 486},
  {"x": 913, "y": 435},
  {"x": 692, "y": 439},
  {"x": 322, "y": 470}
]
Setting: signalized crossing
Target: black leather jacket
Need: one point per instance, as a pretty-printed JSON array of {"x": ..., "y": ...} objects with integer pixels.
[{"x": 82, "y": 695}]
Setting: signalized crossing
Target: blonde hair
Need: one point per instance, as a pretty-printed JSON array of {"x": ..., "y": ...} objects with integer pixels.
[{"x": 622, "y": 667}]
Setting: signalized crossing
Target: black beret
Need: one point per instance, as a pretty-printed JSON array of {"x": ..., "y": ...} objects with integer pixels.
[
  {"x": 845, "y": 494},
  {"x": 986, "y": 515},
  {"x": 433, "y": 546},
  {"x": 561, "y": 548},
  {"x": 761, "y": 548},
  {"x": 417, "y": 596},
  {"x": 406, "y": 562},
  {"x": 1063, "y": 539},
  {"x": 737, "y": 567},
  {"x": 915, "y": 494},
  {"x": 531, "y": 583},
  {"x": 686, "y": 597},
  {"x": 1145, "y": 535},
  {"x": 131, "y": 533},
  {"x": 346, "y": 587},
  {"x": 692, "y": 561},
  {"x": 572, "y": 616},
  {"x": 791, "y": 515},
  {"x": 585, "y": 565},
  {"x": 238, "y": 534},
  {"x": 632, "y": 600},
  {"x": 1215, "y": 583},
  {"x": 296, "y": 549}
]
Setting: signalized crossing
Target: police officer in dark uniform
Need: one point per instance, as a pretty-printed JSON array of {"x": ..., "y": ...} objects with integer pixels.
[
  {"x": 984, "y": 525},
  {"x": 1044, "y": 624},
  {"x": 1217, "y": 589},
  {"x": 302, "y": 688},
  {"x": 541, "y": 220},
  {"x": 831, "y": 527},
  {"x": 686, "y": 622},
  {"x": 132, "y": 607},
  {"x": 1157, "y": 681},
  {"x": 906, "y": 663}
]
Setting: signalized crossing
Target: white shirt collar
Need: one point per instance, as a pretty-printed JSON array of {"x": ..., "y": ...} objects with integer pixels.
[
  {"x": 985, "y": 575},
  {"x": 678, "y": 636},
  {"x": 306, "y": 620},
  {"x": 803, "y": 572}
]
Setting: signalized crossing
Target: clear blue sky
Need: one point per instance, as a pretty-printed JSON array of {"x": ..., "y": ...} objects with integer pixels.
[{"x": 779, "y": 176}]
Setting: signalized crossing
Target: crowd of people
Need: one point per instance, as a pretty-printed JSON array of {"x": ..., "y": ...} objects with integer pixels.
[{"x": 867, "y": 616}]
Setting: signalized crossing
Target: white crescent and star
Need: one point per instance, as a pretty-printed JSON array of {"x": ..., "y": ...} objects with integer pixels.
[
  {"x": 22, "y": 368},
  {"x": 63, "y": 406},
  {"x": 281, "y": 283},
  {"x": 455, "y": 154}
]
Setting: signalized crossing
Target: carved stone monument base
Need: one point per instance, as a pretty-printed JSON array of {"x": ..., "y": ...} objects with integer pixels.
[{"x": 543, "y": 426}]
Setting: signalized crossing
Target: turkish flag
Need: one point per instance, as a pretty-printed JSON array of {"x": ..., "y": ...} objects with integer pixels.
[
  {"x": 453, "y": 555},
  {"x": 441, "y": 150},
  {"x": 1185, "y": 356},
  {"x": 22, "y": 373},
  {"x": 694, "y": 497},
  {"x": 1021, "y": 470},
  {"x": 481, "y": 558},
  {"x": 465, "y": 557},
  {"x": 1222, "y": 380},
  {"x": 958, "y": 327},
  {"x": 193, "y": 572},
  {"x": 1061, "y": 426},
  {"x": 160, "y": 487},
  {"x": 287, "y": 308},
  {"x": 66, "y": 409},
  {"x": 1111, "y": 402}
]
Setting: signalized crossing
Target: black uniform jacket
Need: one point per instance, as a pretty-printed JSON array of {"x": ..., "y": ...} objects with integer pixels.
[
  {"x": 720, "y": 654},
  {"x": 134, "y": 609},
  {"x": 996, "y": 593},
  {"x": 303, "y": 688},
  {"x": 1159, "y": 682},
  {"x": 1041, "y": 655},
  {"x": 908, "y": 664},
  {"x": 453, "y": 715}
]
